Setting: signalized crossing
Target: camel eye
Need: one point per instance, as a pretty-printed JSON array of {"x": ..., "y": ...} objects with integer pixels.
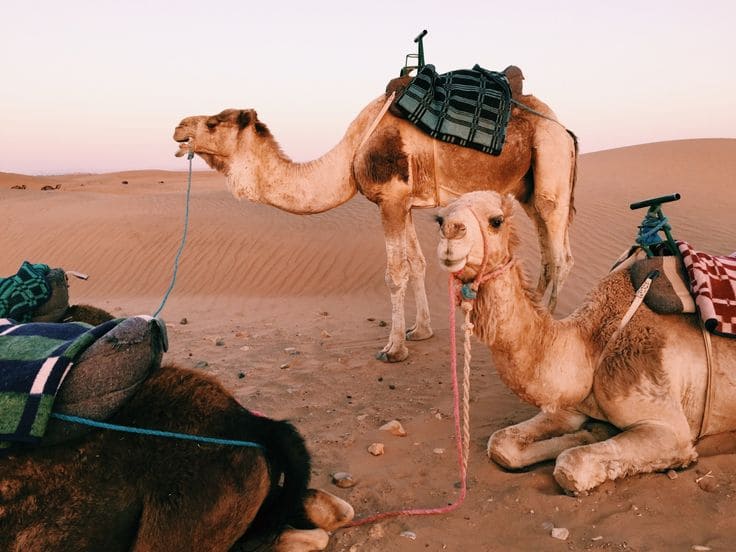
[
  {"x": 211, "y": 123},
  {"x": 496, "y": 222},
  {"x": 439, "y": 220}
]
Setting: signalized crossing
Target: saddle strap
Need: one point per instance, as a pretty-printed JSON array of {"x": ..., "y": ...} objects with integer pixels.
[{"x": 709, "y": 378}]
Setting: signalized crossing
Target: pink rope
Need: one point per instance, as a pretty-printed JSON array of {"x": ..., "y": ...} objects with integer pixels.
[{"x": 458, "y": 435}]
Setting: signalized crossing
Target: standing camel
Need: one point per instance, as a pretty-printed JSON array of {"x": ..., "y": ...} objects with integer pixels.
[
  {"x": 648, "y": 379},
  {"x": 398, "y": 167}
]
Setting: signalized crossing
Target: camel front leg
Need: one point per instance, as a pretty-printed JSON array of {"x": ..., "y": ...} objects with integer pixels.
[
  {"x": 394, "y": 218},
  {"x": 417, "y": 270},
  {"x": 540, "y": 438},
  {"x": 643, "y": 448}
]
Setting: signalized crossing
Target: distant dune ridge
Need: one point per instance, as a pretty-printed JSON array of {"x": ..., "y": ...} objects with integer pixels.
[{"x": 268, "y": 283}]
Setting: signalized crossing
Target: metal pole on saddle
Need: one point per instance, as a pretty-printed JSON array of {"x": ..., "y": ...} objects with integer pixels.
[
  {"x": 419, "y": 56},
  {"x": 654, "y": 222}
]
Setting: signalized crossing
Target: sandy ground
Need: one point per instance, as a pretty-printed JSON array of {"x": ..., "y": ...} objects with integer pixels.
[{"x": 288, "y": 312}]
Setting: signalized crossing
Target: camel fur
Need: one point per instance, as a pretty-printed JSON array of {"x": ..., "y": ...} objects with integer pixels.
[
  {"x": 649, "y": 381},
  {"x": 398, "y": 167},
  {"x": 119, "y": 492}
]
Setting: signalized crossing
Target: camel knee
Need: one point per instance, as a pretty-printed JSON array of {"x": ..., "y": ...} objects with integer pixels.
[
  {"x": 397, "y": 278},
  {"x": 578, "y": 471},
  {"x": 505, "y": 449},
  {"x": 326, "y": 510}
]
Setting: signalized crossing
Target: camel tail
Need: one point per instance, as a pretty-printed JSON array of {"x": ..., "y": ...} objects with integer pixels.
[
  {"x": 573, "y": 174},
  {"x": 289, "y": 469}
]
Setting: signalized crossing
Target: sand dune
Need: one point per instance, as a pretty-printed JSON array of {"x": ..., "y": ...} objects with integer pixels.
[{"x": 299, "y": 303}]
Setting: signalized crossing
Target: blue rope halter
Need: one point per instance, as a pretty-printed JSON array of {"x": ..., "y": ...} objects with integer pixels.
[{"x": 155, "y": 432}]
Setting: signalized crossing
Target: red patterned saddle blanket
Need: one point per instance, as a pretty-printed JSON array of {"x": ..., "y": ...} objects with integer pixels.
[{"x": 713, "y": 286}]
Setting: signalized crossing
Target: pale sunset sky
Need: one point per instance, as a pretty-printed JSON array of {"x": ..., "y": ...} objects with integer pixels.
[{"x": 98, "y": 86}]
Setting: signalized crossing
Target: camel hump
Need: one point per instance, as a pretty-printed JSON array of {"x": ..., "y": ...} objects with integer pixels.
[
  {"x": 516, "y": 80},
  {"x": 397, "y": 85}
]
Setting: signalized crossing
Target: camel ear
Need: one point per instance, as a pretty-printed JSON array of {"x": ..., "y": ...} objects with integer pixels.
[{"x": 244, "y": 117}]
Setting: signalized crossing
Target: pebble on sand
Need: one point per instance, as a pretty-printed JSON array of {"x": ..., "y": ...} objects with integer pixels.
[
  {"x": 394, "y": 427},
  {"x": 376, "y": 449},
  {"x": 560, "y": 533},
  {"x": 344, "y": 480}
]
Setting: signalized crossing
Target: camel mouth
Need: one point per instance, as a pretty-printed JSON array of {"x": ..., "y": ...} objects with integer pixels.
[
  {"x": 184, "y": 147},
  {"x": 451, "y": 265}
]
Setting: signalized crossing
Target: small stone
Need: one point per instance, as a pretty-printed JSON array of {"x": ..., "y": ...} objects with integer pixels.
[
  {"x": 241, "y": 334},
  {"x": 394, "y": 427},
  {"x": 700, "y": 548},
  {"x": 599, "y": 537},
  {"x": 201, "y": 364},
  {"x": 241, "y": 375},
  {"x": 548, "y": 526},
  {"x": 184, "y": 321},
  {"x": 376, "y": 449},
  {"x": 245, "y": 348},
  {"x": 343, "y": 480},
  {"x": 438, "y": 451},
  {"x": 219, "y": 342},
  {"x": 284, "y": 366},
  {"x": 409, "y": 535},
  {"x": 560, "y": 533},
  {"x": 382, "y": 323},
  {"x": 325, "y": 334},
  {"x": 290, "y": 350},
  {"x": 391, "y": 386},
  {"x": 708, "y": 484},
  {"x": 672, "y": 474}
]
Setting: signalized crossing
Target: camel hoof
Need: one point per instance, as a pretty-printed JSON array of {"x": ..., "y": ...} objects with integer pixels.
[
  {"x": 415, "y": 334},
  {"x": 396, "y": 356}
]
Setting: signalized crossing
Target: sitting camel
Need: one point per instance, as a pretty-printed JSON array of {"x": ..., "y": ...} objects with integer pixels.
[
  {"x": 398, "y": 167},
  {"x": 649, "y": 380},
  {"x": 116, "y": 491}
]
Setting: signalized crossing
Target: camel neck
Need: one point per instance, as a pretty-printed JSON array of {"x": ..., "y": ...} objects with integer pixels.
[
  {"x": 268, "y": 176},
  {"x": 535, "y": 355}
]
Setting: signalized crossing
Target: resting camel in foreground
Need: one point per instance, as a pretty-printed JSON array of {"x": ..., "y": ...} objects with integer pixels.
[
  {"x": 398, "y": 167},
  {"x": 649, "y": 381},
  {"x": 115, "y": 491}
]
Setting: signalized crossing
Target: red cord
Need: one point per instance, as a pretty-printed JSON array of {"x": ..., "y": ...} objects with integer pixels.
[{"x": 458, "y": 434}]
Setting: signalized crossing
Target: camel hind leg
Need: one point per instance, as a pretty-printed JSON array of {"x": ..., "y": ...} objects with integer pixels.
[
  {"x": 211, "y": 511},
  {"x": 422, "y": 328},
  {"x": 554, "y": 161}
]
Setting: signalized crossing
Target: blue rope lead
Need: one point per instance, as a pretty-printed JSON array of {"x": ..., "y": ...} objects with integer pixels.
[
  {"x": 183, "y": 239},
  {"x": 155, "y": 432}
]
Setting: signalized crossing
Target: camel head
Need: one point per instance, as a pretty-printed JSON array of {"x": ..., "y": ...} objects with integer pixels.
[
  {"x": 474, "y": 225},
  {"x": 217, "y": 138}
]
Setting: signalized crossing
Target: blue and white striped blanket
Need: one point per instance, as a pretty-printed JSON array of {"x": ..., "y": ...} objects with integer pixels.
[{"x": 34, "y": 359}]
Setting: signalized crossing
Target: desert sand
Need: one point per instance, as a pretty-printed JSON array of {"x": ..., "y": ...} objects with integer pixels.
[{"x": 288, "y": 312}]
